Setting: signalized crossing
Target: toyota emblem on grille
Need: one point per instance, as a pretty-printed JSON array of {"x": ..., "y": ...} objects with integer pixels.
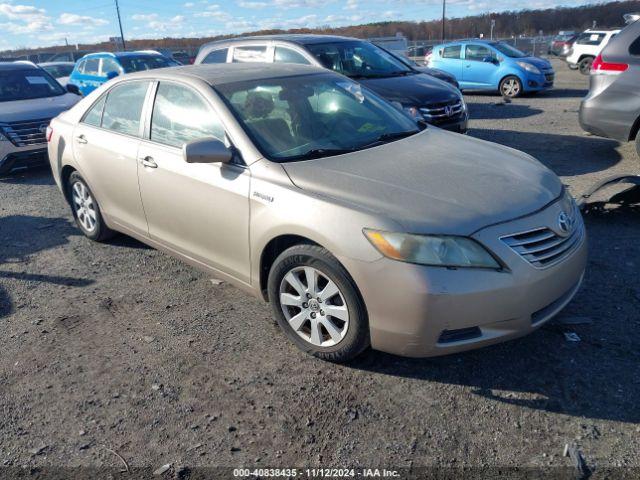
[{"x": 565, "y": 223}]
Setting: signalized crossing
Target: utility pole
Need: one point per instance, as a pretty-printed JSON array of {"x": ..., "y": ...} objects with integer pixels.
[
  {"x": 124, "y": 45},
  {"x": 444, "y": 9}
]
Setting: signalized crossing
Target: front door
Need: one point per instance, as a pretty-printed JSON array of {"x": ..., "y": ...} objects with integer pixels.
[
  {"x": 199, "y": 210},
  {"x": 479, "y": 67},
  {"x": 106, "y": 144}
]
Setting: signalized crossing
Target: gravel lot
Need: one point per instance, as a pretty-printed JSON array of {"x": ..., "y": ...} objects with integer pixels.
[{"x": 119, "y": 348}]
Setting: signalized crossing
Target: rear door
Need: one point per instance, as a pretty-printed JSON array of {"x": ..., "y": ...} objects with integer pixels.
[
  {"x": 479, "y": 66},
  {"x": 450, "y": 60},
  {"x": 199, "y": 210},
  {"x": 105, "y": 144}
]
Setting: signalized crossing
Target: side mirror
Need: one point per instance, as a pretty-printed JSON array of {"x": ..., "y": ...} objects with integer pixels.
[
  {"x": 112, "y": 74},
  {"x": 71, "y": 88},
  {"x": 206, "y": 150}
]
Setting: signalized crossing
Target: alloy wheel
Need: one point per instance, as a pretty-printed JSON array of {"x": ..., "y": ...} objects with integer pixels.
[
  {"x": 314, "y": 306},
  {"x": 84, "y": 206},
  {"x": 511, "y": 87}
]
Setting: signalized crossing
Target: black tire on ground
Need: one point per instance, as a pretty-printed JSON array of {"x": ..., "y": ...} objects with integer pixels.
[
  {"x": 585, "y": 65},
  {"x": 100, "y": 232},
  {"x": 638, "y": 144},
  {"x": 510, "y": 87},
  {"x": 356, "y": 338}
]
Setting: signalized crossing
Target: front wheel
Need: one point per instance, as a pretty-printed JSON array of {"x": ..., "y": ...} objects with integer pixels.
[
  {"x": 510, "y": 87},
  {"x": 638, "y": 144},
  {"x": 86, "y": 210},
  {"x": 317, "y": 305},
  {"x": 585, "y": 65}
]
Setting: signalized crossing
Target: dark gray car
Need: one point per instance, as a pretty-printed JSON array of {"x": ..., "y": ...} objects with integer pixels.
[
  {"x": 612, "y": 107},
  {"x": 422, "y": 96}
]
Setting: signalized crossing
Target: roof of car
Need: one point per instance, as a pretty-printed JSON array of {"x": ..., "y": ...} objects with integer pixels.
[
  {"x": 134, "y": 53},
  {"x": 222, "y": 73},
  {"x": 19, "y": 65},
  {"x": 299, "y": 38}
]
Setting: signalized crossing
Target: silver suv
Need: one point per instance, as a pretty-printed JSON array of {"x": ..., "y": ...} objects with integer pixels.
[{"x": 29, "y": 99}]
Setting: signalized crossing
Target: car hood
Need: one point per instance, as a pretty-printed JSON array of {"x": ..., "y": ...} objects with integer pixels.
[
  {"x": 541, "y": 63},
  {"x": 36, "y": 108},
  {"x": 434, "y": 182},
  {"x": 412, "y": 90}
]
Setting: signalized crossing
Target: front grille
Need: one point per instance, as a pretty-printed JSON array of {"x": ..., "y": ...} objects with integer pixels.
[
  {"x": 25, "y": 134},
  {"x": 542, "y": 247},
  {"x": 442, "y": 112}
]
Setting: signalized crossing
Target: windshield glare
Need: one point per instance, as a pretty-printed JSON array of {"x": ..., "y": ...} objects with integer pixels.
[
  {"x": 508, "y": 50},
  {"x": 27, "y": 84},
  {"x": 311, "y": 116},
  {"x": 358, "y": 59},
  {"x": 145, "y": 62}
]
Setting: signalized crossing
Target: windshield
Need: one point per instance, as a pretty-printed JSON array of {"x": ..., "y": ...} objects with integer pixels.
[
  {"x": 508, "y": 50},
  {"x": 27, "y": 84},
  {"x": 145, "y": 62},
  {"x": 58, "y": 71},
  {"x": 358, "y": 59},
  {"x": 311, "y": 116}
]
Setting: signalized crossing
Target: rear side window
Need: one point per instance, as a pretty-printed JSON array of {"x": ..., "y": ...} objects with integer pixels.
[
  {"x": 92, "y": 66},
  {"x": 250, "y": 54},
  {"x": 217, "y": 56},
  {"x": 634, "y": 48},
  {"x": 94, "y": 115},
  {"x": 287, "y": 55},
  {"x": 181, "y": 115},
  {"x": 123, "y": 108},
  {"x": 452, "y": 52},
  {"x": 590, "y": 38}
]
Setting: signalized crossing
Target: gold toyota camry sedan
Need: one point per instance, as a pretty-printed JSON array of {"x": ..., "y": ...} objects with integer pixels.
[{"x": 360, "y": 227}]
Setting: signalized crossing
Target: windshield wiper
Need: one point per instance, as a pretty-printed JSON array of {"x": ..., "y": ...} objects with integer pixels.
[
  {"x": 389, "y": 137},
  {"x": 320, "y": 152}
]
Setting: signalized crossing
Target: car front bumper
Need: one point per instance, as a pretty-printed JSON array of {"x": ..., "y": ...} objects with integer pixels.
[
  {"x": 422, "y": 311},
  {"x": 12, "y": 157},
  {"x": 537, "y": 83}
]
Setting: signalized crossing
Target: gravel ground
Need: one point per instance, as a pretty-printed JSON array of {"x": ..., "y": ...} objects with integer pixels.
[{"x": 119, "y": 348}]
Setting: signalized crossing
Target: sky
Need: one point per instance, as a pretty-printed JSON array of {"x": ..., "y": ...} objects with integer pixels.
[{"x": 37, "y": 23}]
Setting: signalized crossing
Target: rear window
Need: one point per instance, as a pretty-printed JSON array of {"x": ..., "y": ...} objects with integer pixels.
[
  {"x": 250, "y": 54},
  {"x": 590, "y": 38},
  {"x": 451, "y": 52}
]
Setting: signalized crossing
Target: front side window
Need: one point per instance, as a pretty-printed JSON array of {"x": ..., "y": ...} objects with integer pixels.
[
  {"x": 139, "y": 63},
  {"x": 92, "y": 66},
  {"x": 311, "y": 116},
  {"x": 181, "y": 115},
  {"x": 27, "y": 84},
  {"x": 287, "y": 55},
  {"x": 508, "y": 50},
  {"x": 451, "y": 52},
  {"x": 358, "y": 59},
  {"x": 109, "y": 65},
  {"x": 217, "y": 56},
  {"x": 94, "y": 115},
  {"x": 123, "y": 108},
  {"x": 250, "y": 54},
  {"x": 478, "y": 52}
]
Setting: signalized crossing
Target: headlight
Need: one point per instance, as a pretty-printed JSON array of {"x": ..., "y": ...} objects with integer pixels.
[
  {"x": 463, "y": 103},
  {"x": 435, "y": 250},
  {"x": 414, "y": 112},
  {"x": 529, "y": 67},
  {"x": 2, "y": 137}
]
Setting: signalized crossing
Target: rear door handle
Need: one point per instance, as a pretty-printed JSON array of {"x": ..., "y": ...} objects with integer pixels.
[
  {"x": 81, "y": 139},
  {"x": 148, "y": 162}
]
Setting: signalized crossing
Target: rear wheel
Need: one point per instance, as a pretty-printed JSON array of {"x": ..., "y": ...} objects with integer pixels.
[
  {"x": 86, "y": 210},
  {"x": 511, "y": 87},
  {"x": 585, "y": 65},
  {"x": 317, "y": 305},
  {"x": 638, "y": 144}
]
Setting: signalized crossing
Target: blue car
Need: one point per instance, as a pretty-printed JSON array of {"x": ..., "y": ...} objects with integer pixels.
[
  {"x": 94, "y": 69},
  {"x": 497, "y": 66}
]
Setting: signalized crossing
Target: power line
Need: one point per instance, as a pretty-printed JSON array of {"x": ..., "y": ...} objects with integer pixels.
[{"x": 124, "y": 45}]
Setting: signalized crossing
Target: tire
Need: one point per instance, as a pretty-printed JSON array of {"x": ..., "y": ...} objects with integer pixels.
[
  {"x": 510, "y": 87},
  {"x": 311, "y": 326},
  {"x": 572, "y": 67},
  {"x": 638, "y": 144},
  {"x": 86, "y": 210},
  {"x": 585, "y": 65}
]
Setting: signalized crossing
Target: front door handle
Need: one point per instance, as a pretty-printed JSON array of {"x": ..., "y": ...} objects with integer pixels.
[
  {"x": 148, "y": 162},
  {"x": 81, "y": 139}
]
